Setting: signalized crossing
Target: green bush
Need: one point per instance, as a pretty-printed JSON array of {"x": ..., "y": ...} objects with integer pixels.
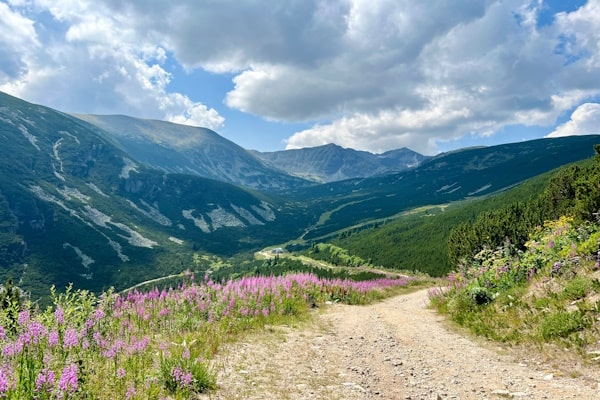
[
  {"x": 561, "y": 324},
  {"x": 577, "y": 288}
]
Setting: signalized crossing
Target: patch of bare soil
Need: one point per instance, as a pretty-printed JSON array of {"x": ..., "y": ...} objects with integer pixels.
[{"x": 395, "y": 349}]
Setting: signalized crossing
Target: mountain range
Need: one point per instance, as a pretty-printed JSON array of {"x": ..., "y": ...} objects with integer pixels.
[
  {"x": 330, "y": 163},
  {"x": 105, "y": 201}
]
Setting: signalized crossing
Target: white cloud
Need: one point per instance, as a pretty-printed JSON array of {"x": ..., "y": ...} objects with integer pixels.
[
  {"x": 371, "y": 74},
  {"x": 585, "y": 120},
  {"x": 181, "y": 110},
  {"x": 18, "y": 42},
  {"x": 580, "y": 36},
  {"x": 483, "y": 74},
  {"x": 92, "y": 60}
]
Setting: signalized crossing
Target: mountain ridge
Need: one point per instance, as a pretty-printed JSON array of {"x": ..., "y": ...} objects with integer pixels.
[
  {"x": 331, "y": 162},
  {"x": 192, "y": 150},
  {"x": 75, "y": 208}
]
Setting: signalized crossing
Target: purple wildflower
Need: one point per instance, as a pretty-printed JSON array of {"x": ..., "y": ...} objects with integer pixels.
[
  {"x": 71, "y": 339},
  {"x": 5, "y": 383},
  {"x": 59, "y": 316},
  {"x": 36, "y": 331},
  {"x": 98, "y": 314},
  {"x": 45, "y": 381},
  {"x": 186, "y": 354},
  {"x": 183, "y": 379},
  {"x": 12, "y": 349},
  {"x": 130, "y": 393},
  {"x": 68, "y": 379},
  {"x": 24, "y": 318}
]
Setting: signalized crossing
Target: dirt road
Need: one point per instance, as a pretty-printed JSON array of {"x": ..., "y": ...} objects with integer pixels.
[{"x": 395, "y": 349}]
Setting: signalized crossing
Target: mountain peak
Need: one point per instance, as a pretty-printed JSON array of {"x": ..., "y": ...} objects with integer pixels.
[
  {"x": 192, "y": 150},
  {"x": 331, "y": 162}
]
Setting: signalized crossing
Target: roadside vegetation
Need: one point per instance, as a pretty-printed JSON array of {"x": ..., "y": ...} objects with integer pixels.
[
  {"x": 529, "y": 273},
  {"x": 152, "y": 344}
]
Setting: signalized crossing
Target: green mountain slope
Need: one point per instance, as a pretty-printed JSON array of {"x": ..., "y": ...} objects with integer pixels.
[
  {"x": 448, "y": 177},
  {"x": 190, "y": 150},
  {"x": 75, "y": 208},
  {"x": 419, "y": 240}
]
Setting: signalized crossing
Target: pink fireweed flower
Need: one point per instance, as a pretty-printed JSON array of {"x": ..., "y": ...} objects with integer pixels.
[
  {"x": 130, "y": 394},
  {"x": 183, "y": 379},
  {"x": 12, "y": 349},
  {"x": 121, "y": 372},
  {"x": 45, "y": 381},
  {"x": 138, "y": 346},
  {"x": 36, "y": 332},
  {"x": 59, "y": 316},
  {"x": 5, "y": 382},
  {"x": 97, "y": 338},
  {"x": 53, "y": 338},
  {"x": 186, "y": 354},
  {"x": 2, "y": 333},
  {"x": 71, "y": 339},
  {"x": 98, "y": 314},
  {"x": 117, "y": 346},
  {"x": 24, "y": 318},
  {"x": 68, "y": 379}
]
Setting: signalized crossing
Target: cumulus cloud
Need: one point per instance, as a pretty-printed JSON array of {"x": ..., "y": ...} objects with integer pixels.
[
  {"x": 491, "y": 70},
  {"x": 585, "y": 120},
  {"x": 90, "y": 59},
  {"x": 17, "y": 42},
  {"x": 369, "y": 74}
]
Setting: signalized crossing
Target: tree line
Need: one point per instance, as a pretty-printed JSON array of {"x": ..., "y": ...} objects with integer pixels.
[{"x": 573, "y": 191}]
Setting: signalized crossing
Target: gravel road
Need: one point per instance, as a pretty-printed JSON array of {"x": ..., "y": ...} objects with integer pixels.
[{"x": 394, "y": 349}]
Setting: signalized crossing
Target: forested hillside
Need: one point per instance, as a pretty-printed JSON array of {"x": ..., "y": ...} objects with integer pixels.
[
  {"x": 433, "y": 239},
  {"x": 573, "y": 191},
  {"x": 418, "y": 241}
]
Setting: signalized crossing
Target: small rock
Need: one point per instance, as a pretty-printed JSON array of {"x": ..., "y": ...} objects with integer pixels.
[
  {"x": 549, "y": 377},
  {"x": 501, "y": 392},
  {"x": 518, "y": 395}
]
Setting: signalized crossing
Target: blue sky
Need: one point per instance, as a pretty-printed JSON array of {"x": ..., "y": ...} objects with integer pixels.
[{"x": 368, "y": 74}]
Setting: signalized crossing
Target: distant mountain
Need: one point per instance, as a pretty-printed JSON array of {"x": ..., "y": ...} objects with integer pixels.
[
  {"x": 331, "y": 162},
  {"x": 75, "y": 208},
  {"x": 190, "y": 150},
  {"x": 447, "y": 177}
]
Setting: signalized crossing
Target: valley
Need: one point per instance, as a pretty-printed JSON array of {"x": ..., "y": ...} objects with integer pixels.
[{"x": 101, "y": 201}]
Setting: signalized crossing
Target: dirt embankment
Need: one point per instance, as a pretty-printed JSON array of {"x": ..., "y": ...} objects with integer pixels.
[{"x": 395, "y": 349}]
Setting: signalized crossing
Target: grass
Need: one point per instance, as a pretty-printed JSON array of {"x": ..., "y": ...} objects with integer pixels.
[
  {"x": 546, "y": 296},
  {"x": 154, "y": 344}
]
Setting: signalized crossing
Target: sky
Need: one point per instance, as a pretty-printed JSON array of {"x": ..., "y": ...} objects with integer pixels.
[{"x": 372, "y": 75}]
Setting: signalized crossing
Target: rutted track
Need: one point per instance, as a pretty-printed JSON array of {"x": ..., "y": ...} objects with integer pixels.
[{"x": 395, "y": 349}]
